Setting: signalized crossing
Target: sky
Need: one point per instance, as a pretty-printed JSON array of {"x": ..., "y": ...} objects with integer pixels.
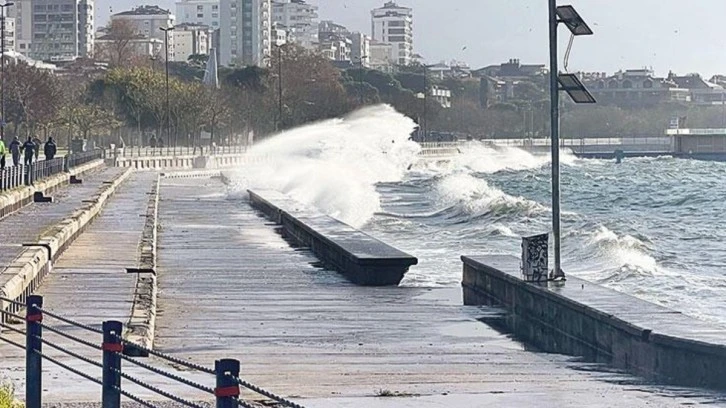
[{"x": 683, "y": 36}]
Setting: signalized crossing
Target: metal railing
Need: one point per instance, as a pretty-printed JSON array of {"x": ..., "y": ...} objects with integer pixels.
[
  {"x": 113, "y": 350},
  {"x": 16, "y": 176},
  {"x": 80, "y": 158},
  {"x": 144, "y": 151}
]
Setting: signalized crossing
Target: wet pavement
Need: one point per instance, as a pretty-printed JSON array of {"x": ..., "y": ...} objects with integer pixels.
[{"x": 231, "y": 287}]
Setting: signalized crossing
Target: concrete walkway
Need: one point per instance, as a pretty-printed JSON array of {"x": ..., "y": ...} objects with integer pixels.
[
  {"x": 89, "y": 284},
  {"x": 28, "y": 223},
  {"x": 231, "y": 287}
]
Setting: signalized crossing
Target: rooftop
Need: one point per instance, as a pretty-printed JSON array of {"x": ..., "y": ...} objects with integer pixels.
[{"x": 144, "y": 11}]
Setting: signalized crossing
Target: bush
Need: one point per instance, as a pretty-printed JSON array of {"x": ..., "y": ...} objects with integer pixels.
[{"x": 7, "y": 397}]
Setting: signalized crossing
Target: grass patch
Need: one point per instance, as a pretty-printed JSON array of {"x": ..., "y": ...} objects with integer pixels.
[{"x": 7, "y": 397}]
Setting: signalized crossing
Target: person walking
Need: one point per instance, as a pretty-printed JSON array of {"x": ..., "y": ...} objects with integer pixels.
[
  {"x": 3, "y": 152},
  {"x": 37, "y": 142},
  {"x": 29, "y": 151},
  {"x": 50, "y": 149},
  {"x": 15, "y": 151}
]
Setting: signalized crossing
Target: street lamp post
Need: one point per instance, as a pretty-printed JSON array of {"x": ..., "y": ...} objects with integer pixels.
[
  {"x": 279, "y": 87},
  {"x": 2, "y": 69},
  {"x": 166, "y": 31},
  {"x": 571, "y": 84},
  {"x": 360, "y": 78}
]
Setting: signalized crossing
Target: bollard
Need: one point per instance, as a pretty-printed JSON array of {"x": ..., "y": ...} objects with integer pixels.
[
  {"x": 227, "y": 390},
  {"x": 112, "y": 346},
  {"x": 33, "y": 348}
]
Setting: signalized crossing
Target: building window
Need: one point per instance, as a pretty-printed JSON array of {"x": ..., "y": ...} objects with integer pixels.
[
  {"x": 627, "y": 84},
  {"x": 613, "y": 84},
  {"x": 647, "y": 83},
  {"x": 200, "y": 15}
]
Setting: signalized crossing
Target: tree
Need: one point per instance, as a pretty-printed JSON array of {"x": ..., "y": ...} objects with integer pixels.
[
  {"x": 117, "y": 46},
  {"x": 32, "y": 97}
]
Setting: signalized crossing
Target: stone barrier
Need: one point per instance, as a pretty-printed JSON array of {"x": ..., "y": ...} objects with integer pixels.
[{"x": 361, "y": 258}]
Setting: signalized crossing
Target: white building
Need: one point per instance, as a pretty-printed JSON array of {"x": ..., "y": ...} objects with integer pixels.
[
  {"x": 301, "y": 20},
  {"x": 279, "y": 34},
  {"x": 379, "y": 57},
  {"x": 191, "y": 39},
  {"x": 22, "y": 11},
  {"x": 393, "y": 24},
  {"x": 148, "y": 21},
  {"x": 53, "y": 29},
  {"x": 245, "y": 36},
  {"x": 199, "y": 12},
  {"x": 441, "y": 95},
  {"x": 9, "y": 28},
  {"x": 360, "y": 51}
]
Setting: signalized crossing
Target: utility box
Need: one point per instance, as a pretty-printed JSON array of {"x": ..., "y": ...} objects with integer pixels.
[{"x": 535, "y": 265}]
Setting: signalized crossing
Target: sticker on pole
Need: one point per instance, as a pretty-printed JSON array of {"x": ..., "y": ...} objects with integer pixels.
[{"x": 534, "y": 258}]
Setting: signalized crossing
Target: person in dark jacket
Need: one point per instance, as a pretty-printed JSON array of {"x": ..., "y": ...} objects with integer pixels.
[
  {"x": 29, "y": 151},
  {"x": 15, "y": 151},
  {"x": 37, "y": 142},
  {"x": 50, "y": 149}
]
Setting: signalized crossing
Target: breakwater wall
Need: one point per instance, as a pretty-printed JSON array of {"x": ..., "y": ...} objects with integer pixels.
[
  {"x": 361, "y": 258},
  {"x": 580, "y": 318}
]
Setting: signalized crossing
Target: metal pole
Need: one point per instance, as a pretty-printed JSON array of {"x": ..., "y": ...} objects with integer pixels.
[
  {"x": 112, "y": 346},
  {"x": 33, "y": 350},
  {"x": 279, "y": 86},
  {"x": 168, "y": 115},
  {"x": 2, "y": 81},
  {"x": 227, "y": 389},
  {"x": 555, "y": 133},
  {"x": 425, "y": 109}
]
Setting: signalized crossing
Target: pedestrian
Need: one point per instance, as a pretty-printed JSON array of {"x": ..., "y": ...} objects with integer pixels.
[
  {"x": 152, "y": 142},
  {"x": 160, "y": 142},
  {"x": 29, "y": 151},
  {"x": 50, "y": 149},
  {"x": 2, "y": 155},
  {"x": 37, "y": 142},
  {"x": 15, "y": 151}
]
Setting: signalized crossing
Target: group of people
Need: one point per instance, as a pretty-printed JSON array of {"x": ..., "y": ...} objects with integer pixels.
[{"x": 30, "y": 149}]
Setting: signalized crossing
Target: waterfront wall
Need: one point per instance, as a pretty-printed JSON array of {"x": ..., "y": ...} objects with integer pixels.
[
  {"x": 361, "y": 258},
  {"x": 583, "y": 319},
  {"x": 179, "y": 161}
]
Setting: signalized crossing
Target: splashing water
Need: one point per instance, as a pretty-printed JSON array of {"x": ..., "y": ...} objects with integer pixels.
[{"x": 334, "y": 165}]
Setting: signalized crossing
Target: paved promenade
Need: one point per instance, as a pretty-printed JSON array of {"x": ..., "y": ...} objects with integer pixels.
[{"x": 230, "y": 286}]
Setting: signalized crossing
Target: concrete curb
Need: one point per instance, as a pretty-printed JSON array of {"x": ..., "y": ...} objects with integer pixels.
[
  {"x": 192, "y": 174},
  {"x": 15, "y": 199},
  {"x": 33, "y": 264},
  {"x": 142, "y": 322}
]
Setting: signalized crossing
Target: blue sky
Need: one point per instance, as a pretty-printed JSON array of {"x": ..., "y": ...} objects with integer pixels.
[{"x": 680, "y": 35}]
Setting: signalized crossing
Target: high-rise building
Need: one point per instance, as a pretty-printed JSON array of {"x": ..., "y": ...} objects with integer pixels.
[
  {"x": 301, "y": 20},
  {"x": 191, "y": 39},
  {"x": 200, "y": 12},
  {"x": 54, "y": 30},
  {"x": 8, "y": 24},
  {"x": 245, "y": 36},
  {"x": 22, "y": 12},
  {"x": 360, "y": 51},
  {"x": 148, "y": 20},
  {"x": 393, "y": 24}
]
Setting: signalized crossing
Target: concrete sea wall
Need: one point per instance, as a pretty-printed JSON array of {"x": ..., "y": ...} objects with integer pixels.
[
  {"x": 584, "y": 319},
  {"x": 361, "y": 258}
]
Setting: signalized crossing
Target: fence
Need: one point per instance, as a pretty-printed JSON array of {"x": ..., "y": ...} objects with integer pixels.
[
  {"x": 144, "y": 151},
  {"x": 113, "y": 351},
  {"x": 12, "y": 177}
]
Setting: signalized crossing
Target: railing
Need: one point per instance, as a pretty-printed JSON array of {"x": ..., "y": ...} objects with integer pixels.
[
  {"x": 77, "y": 159},
  {"x": 143, "y": 151},
  {"x": 112, "y": 349},
  {"x": 578, "y": 145},
  {"x": 16, "y": 176}
]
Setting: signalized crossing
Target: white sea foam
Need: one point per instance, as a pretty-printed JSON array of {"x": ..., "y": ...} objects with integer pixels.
[{"x": 334, "y": 165}]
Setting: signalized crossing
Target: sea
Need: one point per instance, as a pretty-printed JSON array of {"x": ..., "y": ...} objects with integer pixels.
[{"x": 654, "y": 228}]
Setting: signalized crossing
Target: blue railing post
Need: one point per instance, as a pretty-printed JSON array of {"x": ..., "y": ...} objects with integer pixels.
[
  {"x": 33, "y": 348},
  {"x": 227, "y": 390},
  {"x": 112, "y": 347}
]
